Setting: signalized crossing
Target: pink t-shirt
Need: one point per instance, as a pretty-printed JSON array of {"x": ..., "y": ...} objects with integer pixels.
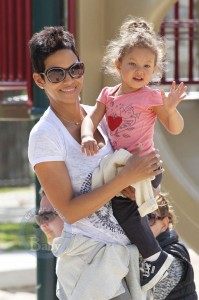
[{"x": 129, "y": 117}]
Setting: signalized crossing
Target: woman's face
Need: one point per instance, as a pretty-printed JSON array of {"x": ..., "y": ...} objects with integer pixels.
[{"x": 66, "y": 91}]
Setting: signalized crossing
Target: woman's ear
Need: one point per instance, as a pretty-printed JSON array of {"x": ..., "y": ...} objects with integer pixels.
[{"x": 39, "y": 80}]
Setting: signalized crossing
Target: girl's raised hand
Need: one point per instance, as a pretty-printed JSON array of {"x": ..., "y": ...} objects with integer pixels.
[{"x": 174, "y": 97}]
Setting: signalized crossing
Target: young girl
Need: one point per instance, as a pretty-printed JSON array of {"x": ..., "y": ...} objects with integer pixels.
[{"x": 131, "y": 108}]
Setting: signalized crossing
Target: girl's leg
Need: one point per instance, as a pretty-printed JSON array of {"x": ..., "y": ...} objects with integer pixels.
[{"x": 135, "y": 227}]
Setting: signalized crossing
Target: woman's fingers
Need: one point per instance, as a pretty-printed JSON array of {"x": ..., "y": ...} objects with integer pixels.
[
  {"x": 156, "y": 165},
  {"x": 129, "y": 192},
  {"x": 153, "y": 163},
  {"x": 142, "y": 167}
]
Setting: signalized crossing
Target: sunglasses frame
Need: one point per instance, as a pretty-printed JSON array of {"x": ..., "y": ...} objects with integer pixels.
[
  {"x": 40, "y": 218},
  {"x": 65, "y": 71},
  {"x": 155, "y": 218}
]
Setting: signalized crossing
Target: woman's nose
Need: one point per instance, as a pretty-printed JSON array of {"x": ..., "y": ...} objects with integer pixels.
[{"x": 68, "y": 77}]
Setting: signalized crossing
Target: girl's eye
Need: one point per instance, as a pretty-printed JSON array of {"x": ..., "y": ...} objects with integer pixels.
[
  {"x": 132, "y": 64},
  {"x": 147, "y": 66}
]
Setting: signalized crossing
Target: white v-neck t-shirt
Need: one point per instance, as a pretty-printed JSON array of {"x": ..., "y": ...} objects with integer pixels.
[{"x": 50, "y": 141}]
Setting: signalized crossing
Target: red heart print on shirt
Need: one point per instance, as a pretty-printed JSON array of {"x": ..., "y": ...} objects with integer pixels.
[{"x": 113, "y": 123}]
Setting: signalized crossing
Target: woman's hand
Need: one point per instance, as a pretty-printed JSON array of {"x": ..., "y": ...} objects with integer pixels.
[
  {"x": 140, "y": 168},
  {"x": 129, "y": 192}
]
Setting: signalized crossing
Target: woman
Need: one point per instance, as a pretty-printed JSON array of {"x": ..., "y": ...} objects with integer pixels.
[
  {"x": 63, "y": 171},
  {"x": 179, "y": 284}
]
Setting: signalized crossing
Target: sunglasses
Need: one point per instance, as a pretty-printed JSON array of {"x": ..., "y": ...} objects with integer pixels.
[
  {"x": 152, "y": 218},
  {"x": 45, "y": 217},
  {"x": 58, "y": 74}
]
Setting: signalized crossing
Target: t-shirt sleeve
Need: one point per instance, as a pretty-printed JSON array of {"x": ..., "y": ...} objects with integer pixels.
[
  {"x": 155, "y": 98},
  {"x": 44, "y": 145},
  {"x": 103, "y": 96}
]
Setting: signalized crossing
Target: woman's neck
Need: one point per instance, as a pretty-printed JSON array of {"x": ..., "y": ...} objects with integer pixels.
[{"x": 71, "y": 114}]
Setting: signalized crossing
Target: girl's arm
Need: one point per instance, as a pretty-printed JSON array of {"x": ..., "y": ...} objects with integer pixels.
[
  {"x": 56, "y": 182},
  {"x": 168, "y": 114},
  {"x": 89, "y": 125}
]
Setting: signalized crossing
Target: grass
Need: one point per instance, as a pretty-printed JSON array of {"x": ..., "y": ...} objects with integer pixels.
[
  {"x": 12, "y": 189},
  {"x": 16, "y": 236},
  {"x": 24, "y": 235}
]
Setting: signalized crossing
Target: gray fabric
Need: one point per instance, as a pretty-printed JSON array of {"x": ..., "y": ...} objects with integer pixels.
[
  {"x": 126, "y": 295},
  {"x": 88, "y": 269},
  {"x": 165, "y": 286}
]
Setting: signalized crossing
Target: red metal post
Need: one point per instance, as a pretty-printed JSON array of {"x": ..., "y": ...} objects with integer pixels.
[
  {"x": 176, "y": 37},
  {"x": 15, "y": 32},
  {"x": 28, "y": 34},
  {"x": 11, "y": 40},
  {"x": 191, "y": 39},
  {"x": 20, "y": 13},
  {"x": 4, "y": 39},
  {"x": 71, "y": 16}
]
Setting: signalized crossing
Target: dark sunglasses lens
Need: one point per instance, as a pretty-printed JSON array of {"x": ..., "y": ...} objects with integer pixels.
[
  {"x": 77, "y": 70},
  {"x": 45, "y": 217},
  {"x": 55, "y": 75}
]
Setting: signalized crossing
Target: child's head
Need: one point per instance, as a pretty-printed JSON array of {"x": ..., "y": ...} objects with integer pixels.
[
  {"x": 165, "y": 209},
  {"x": 136, "y": 38},
  {"x": 48, "y": 41},
  {"x": 164, "y": 217}
]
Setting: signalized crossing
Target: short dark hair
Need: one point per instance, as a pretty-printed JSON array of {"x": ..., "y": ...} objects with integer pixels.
[{"x": 46, "y": 42}]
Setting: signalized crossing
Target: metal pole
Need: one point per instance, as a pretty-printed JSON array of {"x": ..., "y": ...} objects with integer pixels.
[{"x": 44, "y": 13}]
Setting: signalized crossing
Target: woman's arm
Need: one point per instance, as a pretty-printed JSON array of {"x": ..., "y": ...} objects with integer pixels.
[{"x": 55, "y": 180}]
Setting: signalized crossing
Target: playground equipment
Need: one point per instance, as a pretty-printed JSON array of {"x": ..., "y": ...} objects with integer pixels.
[{"x": 180, "y": 155}]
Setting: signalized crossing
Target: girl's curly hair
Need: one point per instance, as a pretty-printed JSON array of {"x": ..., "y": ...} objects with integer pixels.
[
  {"x": 165, "y": 208},
  {"x": 135, "y": 32}
]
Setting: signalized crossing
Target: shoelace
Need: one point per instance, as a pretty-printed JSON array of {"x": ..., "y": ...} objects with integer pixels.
[{"x": 148, "y": 269}]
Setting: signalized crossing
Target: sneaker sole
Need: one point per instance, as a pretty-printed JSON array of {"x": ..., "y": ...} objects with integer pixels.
[{"x": 159, "y": 275}]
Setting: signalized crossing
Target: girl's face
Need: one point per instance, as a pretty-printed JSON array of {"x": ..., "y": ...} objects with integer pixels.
[
  {"x": 66, "y": 91},
  {"x": 136, "y": 69}
]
